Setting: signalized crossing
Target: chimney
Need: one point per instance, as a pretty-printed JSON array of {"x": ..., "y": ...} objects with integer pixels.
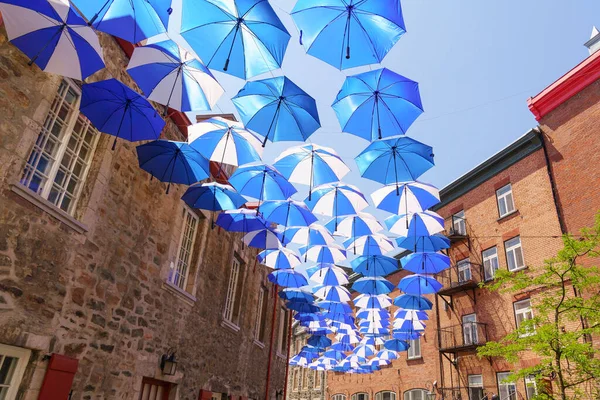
[{"x": 593, "y": 44}]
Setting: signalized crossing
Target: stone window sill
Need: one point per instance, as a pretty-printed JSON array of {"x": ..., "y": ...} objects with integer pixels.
[
  {"x": 518, "y": 269},
  {"x": 182, "y": 294},
  {"x": 259, "y": 344},
  {"x": 280, "y": 356},
  {"x": 230, "y": 325},
  {"x": 414, "y": 358},
  {"x": 507, "y": 216},
  {"x": 48, "y": 207}
]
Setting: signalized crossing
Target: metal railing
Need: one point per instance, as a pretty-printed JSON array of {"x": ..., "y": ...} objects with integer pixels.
[
  {"x": 465, "y": 274},
  {"x": 468, "y": 335}
]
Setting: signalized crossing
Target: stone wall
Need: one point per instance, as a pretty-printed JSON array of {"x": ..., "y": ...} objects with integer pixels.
[
  {"x": 304, "y": 383},
  {"x": 93, "y": 286}
]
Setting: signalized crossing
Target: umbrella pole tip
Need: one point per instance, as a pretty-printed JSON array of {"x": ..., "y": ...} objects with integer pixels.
[
  {"x": 226, "y": 66},
  {"x": 114, "y": 145}
]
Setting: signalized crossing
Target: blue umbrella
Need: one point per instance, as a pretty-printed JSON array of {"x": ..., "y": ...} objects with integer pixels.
[
  {"x": 408, "y": 325},
  {"x": 319, "y": 341},
  {"x": 261, "y": 182},
  {"x": 132, "y": 20},
  {"x": 334, "y": 354},
  {"x": 241, "y": 221},
  {"x": 115, "y": 109},
  {"x": 419, "y": 285},
  {"x": 373, "y": 315},
  {"x": 391, "y": 161},
  {"x": 330, "y": 254},
  {"x": 313, "y": 235},
  {"x": 302, "y": 307},
  {"x": 372, "y": 301},
  {"x": 405, "y": 335},
  {"x": 278, "y": 110},
  {"x": 296, "y": 295},
  {"x": 170, "y": 75},
  {"x": 435, "y": 242},
  {"x": 426, "y": 263},
  {"x": 265, "y": 239},
  {"x": 173, "y": 162},
  {"x": 213, "y": 197},
  {"x": 412, "y": 302},
  {"x": 330, "y": 276},
  {"x": 405, "y": 198},
  {"x": 352, "y": 226},
  {"x": 411, "y": 314},
  {"x": 364, "y": 351},
  {"x": 396, "y": 345},
  {"x": 281, "y": 258},
  {"x": 374, "y": 331},
  {"x": 378, "y": 104},
  {"x": 333, "y": 293},
  {"x": 375, "y": 265},
  {"x": 375, "y": 285},
  {"x": 415, "y": 224},
  {"x": 311, "y": 165},
  {"x": 243, "y": 38},
  {"x": 349, "y": 33},
  {"x": 287, "y": 278},
  {"x": 336, "y": 199},
  {"x": 287, "y": 213},
  {"x": 54, "y": 36},
  {"x": 308, "y": 317},
  {"x": 370, "y": 245}
]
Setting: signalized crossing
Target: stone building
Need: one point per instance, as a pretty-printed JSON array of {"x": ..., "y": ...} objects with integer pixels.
[
  {"x": 102, "y": 273},
  {"x": 303, "y": 383}
]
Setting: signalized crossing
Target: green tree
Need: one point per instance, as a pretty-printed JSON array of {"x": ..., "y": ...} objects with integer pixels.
[{"x": 566, "y": 306}]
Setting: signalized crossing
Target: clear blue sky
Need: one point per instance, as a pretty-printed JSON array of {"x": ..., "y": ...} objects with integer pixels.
[{"x": 477, "y": 62}]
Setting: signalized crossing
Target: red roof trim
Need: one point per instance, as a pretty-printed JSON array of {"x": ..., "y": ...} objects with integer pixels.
[{"x": 574, "y": 81}]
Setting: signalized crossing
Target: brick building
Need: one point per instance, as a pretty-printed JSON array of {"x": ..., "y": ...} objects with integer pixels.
[{"x": 102, "y": 273}]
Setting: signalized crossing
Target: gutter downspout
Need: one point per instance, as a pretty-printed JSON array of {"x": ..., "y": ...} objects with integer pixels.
[
  {"x": 287, "y": 360},
  {"x": 441, "y": 360},
  {"x": 271, "y": 342}
]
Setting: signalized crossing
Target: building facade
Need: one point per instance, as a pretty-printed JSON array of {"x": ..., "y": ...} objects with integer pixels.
[
  {"x": 105, "y": 279},
  {"x": 303, "y": 383}
]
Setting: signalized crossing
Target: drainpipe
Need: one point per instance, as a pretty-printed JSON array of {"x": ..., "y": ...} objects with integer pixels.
[
  {"x": 441, "y": 360},
  {"x": 561, "y": 222},
  {"x": 271, "y": 342},
  {"x": 287, "y": 360}
]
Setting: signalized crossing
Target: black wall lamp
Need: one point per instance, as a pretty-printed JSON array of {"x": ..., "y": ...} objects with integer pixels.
[{"x": 168, "y": 363}]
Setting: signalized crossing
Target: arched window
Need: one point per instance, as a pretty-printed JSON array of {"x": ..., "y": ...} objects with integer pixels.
[
  {"x": 338, "y": 397},
  {"x": 360, "y": 396},
  {"x": 385, "y": 395},
  {"x": 416, "y": 394}
]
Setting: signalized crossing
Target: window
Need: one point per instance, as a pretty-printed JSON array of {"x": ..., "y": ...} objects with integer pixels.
[
  {"x": 153, "y": 389},
  {"x": 13, "y": 361},
  {"x": 318, "y": 379},
  {"x": 283, "y": 327},
  {"x": 524, "y": 312},
  {"x": 387, "y": 395},
  {"x": 464, "y": 270},
  {"x": 360, "y": 396},
  {"x": 475, "y": 387},
  {"x": 296, "y": 379},
  {"x": 338, "y": 397},
  {"x": 459, "y": 225},
  {"x": 232, "y": 288},
  {"x": 305, "y": 372},
  {"x": 506, "y": 390},
  {"x": 414, "y": 351},
  {"x": 505, "y": 200},
  {"x": 490, "y": 263},
  {"x": 415, "y": 394},
  {"x": 514, "y": 254},
  {"x": 470, "y": 329},
  {"x": 530, "y": 387},
  {"x": 180, "y": 273},
  {"x": 59, "y": 161},
  {"x": 261, "y": 315}
]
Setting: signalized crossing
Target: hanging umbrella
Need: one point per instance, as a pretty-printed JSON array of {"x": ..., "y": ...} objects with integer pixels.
[
  {"x": 287, "y": 213},
  {"x": 405, "y": 335},
  {"x": 174, "y": 162},
  {"x": 281, "y": 258},
  {"x": 376, "y": 285},
  {"x": 173, "y": 77},
  {"x": 334, "y": 354},
  {"x": 261, "y": 182},
  {"x": 412, "y": 302},
  {"x": 213, "y": 196},
  {"x": 374, "y": 331},
  {"x": 287, "y": 278},
  {"x": 302, "y": 307},
  {"x": 265, "y": 239},
  {"x": 335, "y": 307},
  {"x": 296, "y": 295},
  {"x": 329, "y": 276},
  {"x": 352, "y": 226},
  {"x": 408, "y": 324},
  {"x": 364, "y": 351},
  {"x": 413, "y": 315},
  {"x": 396, "y": 160},
  {"x": 373, "y": 301},
  {"x": 131, "y": 20},
  {"x": 415, "y": 224},
  {"x": 374, "y": 265},
  {"x": 115, "y": 109},
  {"x": 313, "y": 235},
  {"x": 330, "y": 254},
  {"x": 419, "y": 285},
  {"x": 406, "y": 198},
  {"x": 333, "y": 293},
  {"x": 435, "y": 242},
  {"x": 349, "y": 33},
  {"x": 243, "y": 38},
  {"x": 372, "y": 340},
  {"x": 319, "y": 341},
  {"x": 373, "y": 315},
  {"x": 381, "y": 324},
  {"x": 53, "y": 35},
  {"x": 387, "y": 355},
  {"x": 241, "y": 221},
  {"x": 377, "y": 104},
  {"x": 278, "y": 110},
  {"x": 311, "y": 165},
  {"x": 336, "y": 199},
  {"x": 396, "y": 345},
  {"x": 368, "y": 245},
  {"x": 342, "y": 347},
  {"x": 426, "y": 263}
]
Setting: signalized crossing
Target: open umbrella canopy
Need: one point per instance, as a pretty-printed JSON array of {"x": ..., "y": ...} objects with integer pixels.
[
  {"x": 373, "y": 315},
  {"x": 387, "y": 355},
  {"x": 213, "y": 196},
  {"x": 287, "y": 213},
  {"x": 396, "y": 345},
  {"x": 414, "y": 315},
  {"x": 330, "y": 276},
  {"x": 334, "y": 307},
  {"x": 405, "y": 198},
  {"x": 413, "y": 243},
  {"x": 267, "y": 239},
  {"x": 277, "y": 109},
  {"x": 173, "y": 77},
  {"x": 174, "y": 162},
  {"x": 54, "y": 36},
  {"x": 319, "y": 341},
  {"x": 378, "y": 104},
  {"x": 330, "y": 254},
  {"x": 426, "y": 263},
  {"x": 243, "y": 38},
  {"x": 376, "y": 265},
  {"x": 349, "y": 33},
  {"x": 364, "y": 351},
  {"x": 131, "y": 20},
  {"x": 419, "y": 285},
  {"x": 288, "y": 278},
  {"x": 115, "y": 109},
  {"x": 395, "y": 160},
  {"x": 369, "y": 245},
  {"x": 413, "y": 302},
  {"x": 261, "y": 182},
  {"x": 281, "y": 258},
  {"x": 311, "y": 165},
  {"x": 241, "y": 221},
  {"x": 352, "y": 226},
  {"x": 405, "y": 335},
  {"x": 313, "y": 235},
  {"x": 333, "y": 293},
  {"x": 302, "y": 307},
  {"x": 372, "y": 301},
  {"x": 415, "y": 224},
  {"x": 296, "y": 295},
  {"x": 408, "y": 324},
  {"x": 336, "y": 199},
  {"x": 376, "y": 285}
]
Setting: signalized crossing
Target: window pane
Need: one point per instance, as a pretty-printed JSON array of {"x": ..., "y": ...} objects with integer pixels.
[
  {"x": 186, "y": 247},
  {"x": 7, "y": 369}
]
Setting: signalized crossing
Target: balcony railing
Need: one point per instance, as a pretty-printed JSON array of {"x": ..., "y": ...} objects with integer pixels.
[
  {"x": 458, "y": 229},
  {"x": 463, "y": 337},
  {"x": 460, "y": 277}
]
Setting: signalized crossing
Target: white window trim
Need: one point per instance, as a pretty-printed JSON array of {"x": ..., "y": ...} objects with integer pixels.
[
  {"x": 489, "y": 258},
  {"x": 379, "y": 395},
  {"x": 530, "y": 380},
  {"x": 174, "y": 268},
  {"x": 512, "y": 249},
  {"x": 408, "y": 394},
  {"x": 503, "y": 197},
  {"x": 509, "y": 384},
  {"x": 414, "y": 356},
  {"x": 355, "y": 396},
  {"x": 281, "y": 334},
  {"x": 523, "y": 311},
  {"x": 232, "y": 284},
  {"x": 23, "y": 356},
  {"x": 338, "y": 397},
  {"x": 463, "y": 265},
  {"x": 460, "y": 222},
  {"x": 259, "y": 307}
]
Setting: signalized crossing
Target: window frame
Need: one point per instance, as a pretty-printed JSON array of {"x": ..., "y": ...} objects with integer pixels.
[
  {"x": 283, "y": 331},
  {"x": 478, "y": 385},
  {"x": 504, "y": 197},
  {"x": 318, "y": 380},
  {"x": 175, "y": 268},
  {"x": 530, "y": 380},
  {"x": 379, "y": 395},
  {"x": 512, "y": 249},
  {"x": 232, "y": 286},
  {"x": 22, "y": 355},
  {"x": 474, "y": 333},
  {"x": 517, "y": 313},
  {"x": 61, "y": 148},
  {"x": 156, "y": 383},
  {"x": 355, "y": 396},
  {"x": 511, "y": 396},
  {"x": 408, "y": 352},
  {"x": 410, "y": 393},
  {"x": 338, "y": 396},
  {"x": 486, "y": 258},
  {"x": 465, "y": 264},
  {"x": 261, "y": 304},
  {"x": 461, "y": 224}
]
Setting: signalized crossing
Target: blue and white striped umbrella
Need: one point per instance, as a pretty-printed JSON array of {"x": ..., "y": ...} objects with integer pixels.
[
  {"x": 333, "y": 293},
  {"x": 406, "y": 198},
  {"x": 387, "y": 355},
  {"x": 261, "y": 182},
  {"x": 435, "y": 242},
  {"x": 330, "y": 254},
  {"x": 414, "y": 315},
  {"x": 372, "y": 340},
  {"x": 373, "y": 315},
  {"x": 419, "y": 285},
  {"x": 281, "y": 258},
  {"x": 369, "y": 245},
  {"x": 405, "y": 335},
  {"x": 373, "y": 330},
  {"x": 335, "y": 307},
  {"x": 364, "y": 351},
  {"x": 372, "y": 301},
  {"x": 352, "y": 226},
  {"x": 336, "y": 199},
  {"x": 415, "y": 224},
  {"x": 377, "y": 362},
  {"x": 54, "y": 36},
  {"x": 426, "y": 263},
  {"x": 225, "y": 141},
  {"x": 287, "y": 213},
  {"x": 313, "y": 235},
  {"x": 311, "y": 165},
  {"x": 408, "y": 324},
  {"x": 381, "y": 324},
  {"x": 330, "y": 276},
  {"x": 266, "y": 239},
  {"x": 173, "y": 77},
  {"x": 287, "y": 278}
]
